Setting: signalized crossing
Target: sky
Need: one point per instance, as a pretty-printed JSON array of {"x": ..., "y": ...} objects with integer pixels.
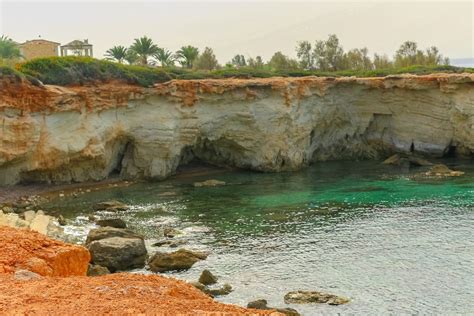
[{"x": 250, "y": 28}]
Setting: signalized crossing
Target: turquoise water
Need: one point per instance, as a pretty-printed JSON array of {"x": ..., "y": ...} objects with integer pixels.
[{"x": 392, "y": 241}]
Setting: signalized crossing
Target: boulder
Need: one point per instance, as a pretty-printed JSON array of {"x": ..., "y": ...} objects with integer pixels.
[
  {"x": 199, "y": 286},
  {"x": 207, "y": 278},
  {"x": 441, "y": 170},
  {"x": 7, "y": 209},
  {"x": 223, "y": 290},
  {"x": 287, "y": 311},
  {"x": 209, "y": 183},
  {"x": 96, "y": 270},
  {"x": 112, "y": 222},
  {"x": 26, "y": 275},
  {"x": 171, "y": 232},
  {"x": 108, "y": 232},
  {"x": 36, "y": 221},
  {"x": 301, "y": 297},
  {"x": 118, "y": 253},
  {"x": 29, "y": 250},
  {"x": 179, "y": 260},
  {"x": 258, "y": 304},
  {"x": 262, "y": 304},
  {"x": 111, "y": 206}
]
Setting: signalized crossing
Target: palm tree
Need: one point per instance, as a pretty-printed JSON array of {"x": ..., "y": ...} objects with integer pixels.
[
  {"x": 187, "y": 55},
  {"x": 131, "y": 57},
  {"x": 8, "y": 48},
  {"x": 165, "y": 57},
  {"x": 117, "y": 53},
  {"x": 144, "y": 48}
]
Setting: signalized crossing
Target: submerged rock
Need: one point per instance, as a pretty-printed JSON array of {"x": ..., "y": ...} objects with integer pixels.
[
  {"x": 302, "y": 297},
  {"x": 118, "y": 253},
  {"x": 441, "y": 170},
  {"x": 182, "y": 259},
  {"x": 108, "y": 232},
  {"x": 207, "y": 278},
  {"x": 223, "y": 290},
  {"x": 169, "y": 243},
  {"x": 262, "y": 304},
  {"x": 171, "y": 232},
  {"x": 111, "y": 206},
  {"x": 112, "y": 222},
  {"x": 209, "y": 183}
]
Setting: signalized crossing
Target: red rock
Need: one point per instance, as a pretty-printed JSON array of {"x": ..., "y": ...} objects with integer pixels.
[{"x": 29, "y": 250}]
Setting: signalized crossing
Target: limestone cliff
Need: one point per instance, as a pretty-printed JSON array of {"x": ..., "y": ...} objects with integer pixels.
[{"x": 56, "y": 134}]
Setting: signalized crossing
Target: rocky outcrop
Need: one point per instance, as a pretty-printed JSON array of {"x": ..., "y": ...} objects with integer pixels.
[
  {"x": 37, "y": 221},
  {"x": 41, "y": 276},
  {"x": 63, "y": 134},
  {"x": 302, "y": 297},
  {"x": 23, "y": 249},
  {"x": 182, "y": 259}
]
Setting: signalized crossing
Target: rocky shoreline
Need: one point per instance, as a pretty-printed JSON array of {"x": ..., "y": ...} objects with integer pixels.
[{"x": 40, "y": 276}]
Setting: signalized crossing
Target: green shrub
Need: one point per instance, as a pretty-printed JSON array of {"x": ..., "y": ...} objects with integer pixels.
[{"x": 79, "y": 70}]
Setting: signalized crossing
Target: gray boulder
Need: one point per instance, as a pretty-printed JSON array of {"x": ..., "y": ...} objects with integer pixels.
[
  {"x": 258, "y": 304},
  {"x": 179, "y": 260},
  {"x": 207, "y": 278},
  {"x": 262, "y": 304},
  {"x": 108, "y": 232},
  {"x": 118, "y": 253},
  {"x": 96, "y": 270}
]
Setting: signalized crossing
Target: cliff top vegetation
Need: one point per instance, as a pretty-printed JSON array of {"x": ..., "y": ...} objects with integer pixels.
[{"x": 73, "y": 70}]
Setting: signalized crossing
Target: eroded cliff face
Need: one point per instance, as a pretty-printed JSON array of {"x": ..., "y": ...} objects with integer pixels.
[{"x": 59, "y": 134}]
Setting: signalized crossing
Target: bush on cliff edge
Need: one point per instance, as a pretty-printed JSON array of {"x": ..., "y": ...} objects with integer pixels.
[{"x": 72, "y": 70}]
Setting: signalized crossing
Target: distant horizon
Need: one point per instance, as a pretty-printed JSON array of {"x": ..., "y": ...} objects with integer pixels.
[{"x": 251, "y": 29}]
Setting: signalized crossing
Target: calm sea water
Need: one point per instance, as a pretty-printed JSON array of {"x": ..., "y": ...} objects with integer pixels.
[{"x": 392, "y": 242}]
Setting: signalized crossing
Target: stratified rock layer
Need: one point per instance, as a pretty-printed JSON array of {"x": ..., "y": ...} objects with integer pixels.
[
  {"x": 59, "y": 134},
  {"x": 23, "y": 249}
]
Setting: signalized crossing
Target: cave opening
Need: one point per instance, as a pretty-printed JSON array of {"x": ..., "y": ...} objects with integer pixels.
[{"x": 450, "y": 152}]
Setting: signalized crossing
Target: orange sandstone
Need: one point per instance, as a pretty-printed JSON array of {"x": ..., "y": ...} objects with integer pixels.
[
  {"x": 65, "y": 290},
  {"x": 26, "y": 249}
]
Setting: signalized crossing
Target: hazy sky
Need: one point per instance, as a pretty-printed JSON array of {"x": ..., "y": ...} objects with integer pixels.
[{"x": 247, "y": 27}]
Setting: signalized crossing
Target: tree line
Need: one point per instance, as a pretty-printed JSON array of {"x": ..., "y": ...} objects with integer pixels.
[{"x": 324, "y": 55}]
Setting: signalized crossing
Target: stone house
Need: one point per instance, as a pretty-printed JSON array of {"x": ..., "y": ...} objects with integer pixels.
[{"x": 38, "y": 48}]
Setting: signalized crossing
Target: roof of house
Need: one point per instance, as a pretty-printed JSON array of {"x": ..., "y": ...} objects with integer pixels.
[
  {"x": 39, "y": 40},
  {"x": 77, "y": 43}
]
